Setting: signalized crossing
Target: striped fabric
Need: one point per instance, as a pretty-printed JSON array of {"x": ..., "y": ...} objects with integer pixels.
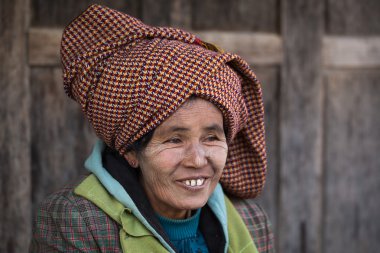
[
  {"x": 129, "y": 77},
  {"x": 257, "y": 223},
  {"x": 68, "y": 223}
]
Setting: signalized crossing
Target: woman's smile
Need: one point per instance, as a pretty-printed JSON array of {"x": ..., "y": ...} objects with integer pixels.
[{"x": 194, "y": 182}]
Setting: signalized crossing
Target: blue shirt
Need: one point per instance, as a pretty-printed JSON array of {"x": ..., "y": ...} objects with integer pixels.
[{"x": 185, "y": 234}]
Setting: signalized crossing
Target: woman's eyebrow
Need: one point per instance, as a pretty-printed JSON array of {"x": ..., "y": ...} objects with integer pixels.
[
  {"x": 215, "y": 127},
  {"x": 171, "y": 130},
  {"x": 177, "y": 129}
]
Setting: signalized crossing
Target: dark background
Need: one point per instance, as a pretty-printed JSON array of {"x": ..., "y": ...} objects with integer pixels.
[{"x": 318, "y": 60}]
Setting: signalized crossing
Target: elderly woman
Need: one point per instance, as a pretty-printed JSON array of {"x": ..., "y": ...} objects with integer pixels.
[{"x": 180, "y": 125}]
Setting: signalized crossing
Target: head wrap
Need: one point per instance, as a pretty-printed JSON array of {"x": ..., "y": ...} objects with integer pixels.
[{"x": 129, "y": 77}]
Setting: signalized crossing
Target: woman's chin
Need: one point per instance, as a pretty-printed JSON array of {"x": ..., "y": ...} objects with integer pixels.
[
  {"x": 193, "y": 203},
  {"x": 191, "y": 198}
]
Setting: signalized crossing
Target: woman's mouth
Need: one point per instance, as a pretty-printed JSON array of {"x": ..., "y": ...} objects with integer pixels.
[{"x": 194, "y": 182}]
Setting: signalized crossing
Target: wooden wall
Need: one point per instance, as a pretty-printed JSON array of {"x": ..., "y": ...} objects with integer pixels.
[{"x": 319, "y": 62}]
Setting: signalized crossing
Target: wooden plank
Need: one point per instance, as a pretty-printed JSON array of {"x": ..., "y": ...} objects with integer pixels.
[
  {"x": 270, "y": 79},
  {"x": 15, "y": 183},
  {"x": 156, "y": 12},
  {"x": 180, "y": 15},
  {"x": 351, "y": 52},
  {"x": 173, "y": 13},
  {"x": 300, "y": 127},
  {"x": 240, "y": 15},
  {"x": 352, "y": 17},
  {"x": 61, "y": 139},
  {"x": 59, "y": 13},
  {"x": 352, "y": 148},
  {"x": 44, "y": 45},
  {"x": 258, "y": 49}
]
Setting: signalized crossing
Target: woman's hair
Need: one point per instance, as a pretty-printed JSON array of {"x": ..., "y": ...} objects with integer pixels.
[{"x": 139, "y": 145}]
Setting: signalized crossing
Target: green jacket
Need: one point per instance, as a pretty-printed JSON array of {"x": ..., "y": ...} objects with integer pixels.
[
  {"x": 110, "y": 196},
  {"x": 92, "y": 218},
  {"x": 135, "y": 237}
]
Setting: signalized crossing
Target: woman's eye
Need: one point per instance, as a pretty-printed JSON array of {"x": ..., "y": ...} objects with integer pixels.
[
  {"x": 174, "y": 140},
  {"x": 212, "y": 138}
]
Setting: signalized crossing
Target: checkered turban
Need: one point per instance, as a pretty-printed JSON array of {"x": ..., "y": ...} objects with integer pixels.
[{"x": 129, "y": 77}]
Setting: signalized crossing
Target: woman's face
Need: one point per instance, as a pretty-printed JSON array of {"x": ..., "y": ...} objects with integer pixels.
[{"x": 184, "y": 160}]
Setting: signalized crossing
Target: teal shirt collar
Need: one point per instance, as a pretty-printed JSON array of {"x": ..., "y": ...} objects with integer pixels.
[{"x": 181, "y": 229}]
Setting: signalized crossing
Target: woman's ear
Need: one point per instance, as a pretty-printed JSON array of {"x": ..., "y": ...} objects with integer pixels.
[{"x": 131, "y": 158}]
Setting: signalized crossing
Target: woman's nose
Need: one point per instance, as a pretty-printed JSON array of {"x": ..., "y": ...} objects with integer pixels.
[{"x": 196, "y": 156}]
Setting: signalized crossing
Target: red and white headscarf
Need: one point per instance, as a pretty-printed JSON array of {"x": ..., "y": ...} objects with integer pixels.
[{"x": 129, "y": 77}]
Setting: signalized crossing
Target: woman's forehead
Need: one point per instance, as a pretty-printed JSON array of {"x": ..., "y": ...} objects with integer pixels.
[{"x": 194, "y": 114}]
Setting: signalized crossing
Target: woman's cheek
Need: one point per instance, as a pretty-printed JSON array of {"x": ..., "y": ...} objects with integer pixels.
[
  {"x": 169, "y": 158},
  {"x": 177, "y": 153},
  {"x": 218, "y": 156}
]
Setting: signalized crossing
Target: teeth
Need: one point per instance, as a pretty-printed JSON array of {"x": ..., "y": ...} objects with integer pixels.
[{"x": 195, "y": 182}]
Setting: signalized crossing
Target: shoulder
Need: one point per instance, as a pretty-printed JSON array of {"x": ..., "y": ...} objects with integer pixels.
[
  {"x": 64, "y": 222},
  {"x": 257, "y": 223}
]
